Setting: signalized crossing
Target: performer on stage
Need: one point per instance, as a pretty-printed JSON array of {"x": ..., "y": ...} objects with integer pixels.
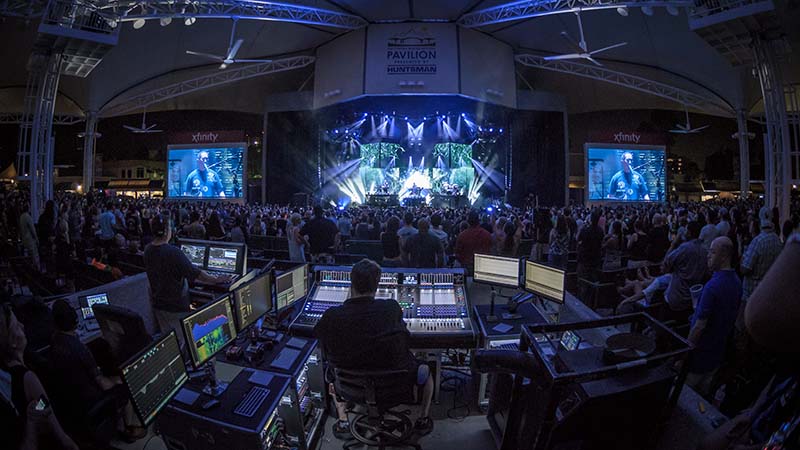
[
  {"x": 203, "y": 182},
  {"x": 628, "y": 184}
]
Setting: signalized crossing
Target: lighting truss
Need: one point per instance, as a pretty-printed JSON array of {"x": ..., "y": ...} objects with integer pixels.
[
  {"x": 637, "y": 83},
  {"x": 127, "y": 10},
  {"x": 26, "y": 9},
  {"x": 58, "y": 119},
  {"x": 528, "y": 9},
  {"x": 218, "y": 78}
]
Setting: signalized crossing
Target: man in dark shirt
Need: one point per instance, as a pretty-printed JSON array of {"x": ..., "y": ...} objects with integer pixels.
[
  {"x": 423, "y": 249},
  {"x": 364, "y": 333},
  {"x": 590, "y": 242},
  {"x": 472, "y": 240},
  {"x": 169, "y": 273},
  {"x": 323, "y": 234},
  {"x": 658, "y": 239}
]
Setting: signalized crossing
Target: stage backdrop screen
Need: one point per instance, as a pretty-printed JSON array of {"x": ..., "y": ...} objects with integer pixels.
[
  {"x": 627, "y": 174},
  {"x": 206, "y": 172}
]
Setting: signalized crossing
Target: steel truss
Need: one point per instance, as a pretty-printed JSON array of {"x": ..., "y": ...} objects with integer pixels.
[
  {"x": 528, "y": 9},
  {"x": 125, "y": 11},
  {"x": 25, "y": 9},
  {"x": 682, "y": 96},
  {"x": 218, "y": 78},
  {"x": 58, "y": 119}
]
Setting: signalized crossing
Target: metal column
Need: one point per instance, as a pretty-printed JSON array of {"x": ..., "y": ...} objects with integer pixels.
[
  {"x": 89, "y": 142},
  {"x": 744, "y": 153},
  {"x": 264, "y": 161},
  {"x": 778, "y": 162}
]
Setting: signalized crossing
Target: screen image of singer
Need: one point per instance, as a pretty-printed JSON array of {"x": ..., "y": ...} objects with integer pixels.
[
  {"x": 625, "y": 173},
  {"x": 206, "y": 172},
  {"x": 154, "y": 376},
  {"x": 209, "y": 330},
  {"x": 497, "y": 270},
  {"x": 291, "y": 286},
  {"x": 252, "y": 300},
  {"x": 545, "y": 281},
  {"x": 222, "y": 259},
  {"x": 195, "y": 253}
]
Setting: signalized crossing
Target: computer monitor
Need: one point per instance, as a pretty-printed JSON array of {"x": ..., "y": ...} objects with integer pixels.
[
  {"x": 291, "y": 286},
  {"x": 496, "y": 270},
  {"x": 544, "y": 281},
  {"x": 195, "y": 252},
  {"x": 87, "y": 301},
  {"x": 209, "y": 330},
  {"x": 252, "y": 300},
  {"x": 154, "y": 376},
  {"x": 223, "y": 259}
]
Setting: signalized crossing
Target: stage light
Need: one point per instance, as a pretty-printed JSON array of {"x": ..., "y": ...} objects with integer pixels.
[
  {"x": 405, "y": 118},
  {"x": 111, "y": 23},
  {"x": 673, "y": 11},
  {"x": 501, "y": 130},
  {"x": 491, "y": 130},
  {"x": 489, "y": 209},
  {"x": 622, "y": 11},
  {"x": 164, "y": 21},
  {"x": 138, "y": 24},
  {"x": 647, "y": 10},
  {"x": 189, "y": 21}
]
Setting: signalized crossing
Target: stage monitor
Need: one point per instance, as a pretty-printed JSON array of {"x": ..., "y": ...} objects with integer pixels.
[
  {"x": 206, "y": 172},
  {"x": 544, "y": 281},
  {"x": 86, "y": 302},
  {"x": 209, "y": 330},
  {"x": 625, "y": 173},
  {"x": 291, "y": 286},
  {"x": 252, "y": 300},
  {"x": 223, "y": 258},
  {"x": 497, "y": 270},
  {"x": 196, "y": 253},
  {"x": 154, "y": 376}
]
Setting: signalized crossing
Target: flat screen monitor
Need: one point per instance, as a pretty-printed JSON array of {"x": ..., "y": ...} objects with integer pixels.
[
  {"x": 252, "y": 300},
  {"x": 86, "y": 303},
  {"x": 209, "y": 330},
  {"x": 206, "y": 172},
  {"x": 544, "y": 281},
  {"x": 196, "y": 253},
  {"x": 154, "y": 376},
  {"x": 223, "y": 259},
  {"x": 291, "y": 286},
  {"x": 497, "y": 270},
  {"x": 625, "y": 173}
]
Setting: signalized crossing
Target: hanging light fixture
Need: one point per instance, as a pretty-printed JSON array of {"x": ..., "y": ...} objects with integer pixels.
[
  {"x": 138, "y": 24},
  {"x": 189, "y": 21},
  {"x": 647, "y": 10},
  {"x": 622, "y": 11},
  {"x": 673, "y": 11},
  {"x": 164, "y": 21}
]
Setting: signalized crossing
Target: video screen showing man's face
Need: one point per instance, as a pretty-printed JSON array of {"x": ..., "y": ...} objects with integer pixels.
[
  {"x": 205, "y": 173},
  {"x": 627, "y": 175}
]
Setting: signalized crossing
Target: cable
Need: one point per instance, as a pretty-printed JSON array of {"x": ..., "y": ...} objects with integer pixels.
[
  {"x": 456, "y": 386},
  {"x": 144, "y": 447}
]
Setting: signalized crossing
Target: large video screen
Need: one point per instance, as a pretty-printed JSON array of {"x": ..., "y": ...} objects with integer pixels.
[
  {"x": 206, "y": 172},
  {"x": 626, "y": 174}
]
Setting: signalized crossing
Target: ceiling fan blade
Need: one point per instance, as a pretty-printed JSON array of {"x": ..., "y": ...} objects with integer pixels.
[
  {"x": 567, "y": 56},
  {"x": 582, "y": 43},
  {"x": 151, "y": 126},
  {"x": 128, "y": 127},
  {"x": 678, "y": 131},
  {"x": 572, "y": 42},
  {"x": 205, "y": 55},
  {"x": 695, "y": 130},
  {"x": 153, "y": 131},
  {"x": 592, "y": 60},
  {"x": 252, "y": 60},
  {"x": 233, "y": 50},
  {"x": 608, "y": 48}
]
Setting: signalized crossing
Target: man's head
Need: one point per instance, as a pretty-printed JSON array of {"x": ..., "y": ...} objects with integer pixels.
[
  {"x": 64, "y": 316},
  {"x": 720, "y": 253},
  {"x": 364, "y": 278},
  {"x": 765, "y": 218},
  {"x": 318, "y": 212},
  {"x": 423, "y": 225},
  {"x": 202, "y": 160},
  {"x": 627, "y": 161},
  {"x": 693, "y": 230},
  {"x": 472, "y": 219},
  {"x": 436, "y": 220},
  {"x": 161, "y": 228},
  {"x": 408, "y": 219}
]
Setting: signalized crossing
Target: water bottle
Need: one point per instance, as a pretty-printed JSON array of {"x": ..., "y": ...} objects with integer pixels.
[{"x": 719, "y": 396}]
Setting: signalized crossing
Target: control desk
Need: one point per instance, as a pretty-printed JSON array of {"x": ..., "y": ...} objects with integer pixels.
[{"x": 434, "y": 303}]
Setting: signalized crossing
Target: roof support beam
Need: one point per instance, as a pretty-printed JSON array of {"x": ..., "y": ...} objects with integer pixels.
[
  {"x": 213, "y": 80},
  {"x": 58, "y": 119},
  {"x": 690, "y": 99},
  {"x": 30, "y": 9},
  {"x": 528, "y": 9},
  {"x": 126, "y": 10}
]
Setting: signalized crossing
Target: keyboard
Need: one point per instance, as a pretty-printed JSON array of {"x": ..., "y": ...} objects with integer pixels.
[{"x": 251, "y": 402}]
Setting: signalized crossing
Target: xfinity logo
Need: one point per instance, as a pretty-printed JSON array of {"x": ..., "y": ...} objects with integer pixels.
[
  {"x": 204, "y": 137},
  {"x": 622, "y": 137}
]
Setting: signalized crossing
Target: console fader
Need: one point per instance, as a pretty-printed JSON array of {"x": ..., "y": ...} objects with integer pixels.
[{"x": 434, "y": 303}]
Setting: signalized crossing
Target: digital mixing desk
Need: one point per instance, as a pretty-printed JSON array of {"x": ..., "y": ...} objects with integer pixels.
[{"x": 434, "y": 302}]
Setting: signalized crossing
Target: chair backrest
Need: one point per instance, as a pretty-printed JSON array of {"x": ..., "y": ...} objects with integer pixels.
[
  {"x": 123, "y": 329},
  {"x": 373, "y": 249},
  {"x": 381, "y": 388}
]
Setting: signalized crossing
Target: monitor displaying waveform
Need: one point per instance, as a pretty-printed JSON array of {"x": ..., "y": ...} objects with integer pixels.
[{"x": 209, "y": 330}]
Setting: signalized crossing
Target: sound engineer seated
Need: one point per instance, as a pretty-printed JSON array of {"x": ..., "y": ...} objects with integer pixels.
[{"x": 369, "y": 334}]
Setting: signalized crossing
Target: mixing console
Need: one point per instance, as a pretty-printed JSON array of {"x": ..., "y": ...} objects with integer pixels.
[{"x": 434, "y": 303}]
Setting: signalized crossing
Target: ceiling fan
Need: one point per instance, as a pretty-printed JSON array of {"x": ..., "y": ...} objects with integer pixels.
[
  {"x": 230, "y": 56},
  {"x": 581, "y": 48},
  {"x": 687, "y": 129},
  {"x": 144, "y": 128}
]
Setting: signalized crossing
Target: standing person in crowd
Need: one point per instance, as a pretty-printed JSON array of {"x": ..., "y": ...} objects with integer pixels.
[
  {"x": 322, "y": 235},
  {"x": 345, "y": 226},
  {"x": 107, "y": 223},
  {"x": 472, "y": 240},
  {"x": 714, "y": 317},
  {"x": 590, "y": 248},
  {"x": 559, "y": 243},
  {"x": 195, "y": 229},
  {"x": 296, "y": 241},
  {"x": 423, "y": 250},
  {"x": 658, "y": 239},
  {"x": 363, "y": 228},
  {"x": 408, "y": 228},
  {"x": 612, "y": 247},
  {"x": 637, "y": 245},
  {"x": 758, "y": 257},
  {"x": 215, "y": 231},
  {"x": 688, "y": 265},
  {"x": 709, "y": 232},
  {"x": 28, "y": 236},
  {"x": 239, "y": 230},
  {"x": 509, "y": 246},
  {"x": 390, "y": 242}
]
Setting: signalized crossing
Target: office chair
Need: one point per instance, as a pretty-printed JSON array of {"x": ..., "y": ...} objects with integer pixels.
[{"x": 379, "y": 391}]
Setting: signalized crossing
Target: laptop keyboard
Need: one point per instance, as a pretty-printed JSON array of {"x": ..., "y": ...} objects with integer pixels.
[{"x": 251, "y": 402}]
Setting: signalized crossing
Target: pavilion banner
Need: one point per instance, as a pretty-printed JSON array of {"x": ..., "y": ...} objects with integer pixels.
[
  {"x": 206, "y": 137},
  {"x": 412, "y": 57},
  {"x": 627, "y": 137}
]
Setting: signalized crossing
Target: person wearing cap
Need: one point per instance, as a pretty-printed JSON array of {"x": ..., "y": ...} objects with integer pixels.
[{"x": 759, "y": 256}]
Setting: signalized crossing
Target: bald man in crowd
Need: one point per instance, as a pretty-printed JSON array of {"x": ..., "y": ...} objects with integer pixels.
[{"x": 714, "y": 316}]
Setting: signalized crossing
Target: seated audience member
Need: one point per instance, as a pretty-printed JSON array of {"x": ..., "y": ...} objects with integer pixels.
[
  {"x": 423, "y": 249},
  {"x": 688, "y": 266},
  {"x": 771, "y": 317},
  {"x": 35, "y": 426},
  {"x": 714, "y": 316},
  {"x": 657, "y": 239},
  {"x": 369, "y": 334}
]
